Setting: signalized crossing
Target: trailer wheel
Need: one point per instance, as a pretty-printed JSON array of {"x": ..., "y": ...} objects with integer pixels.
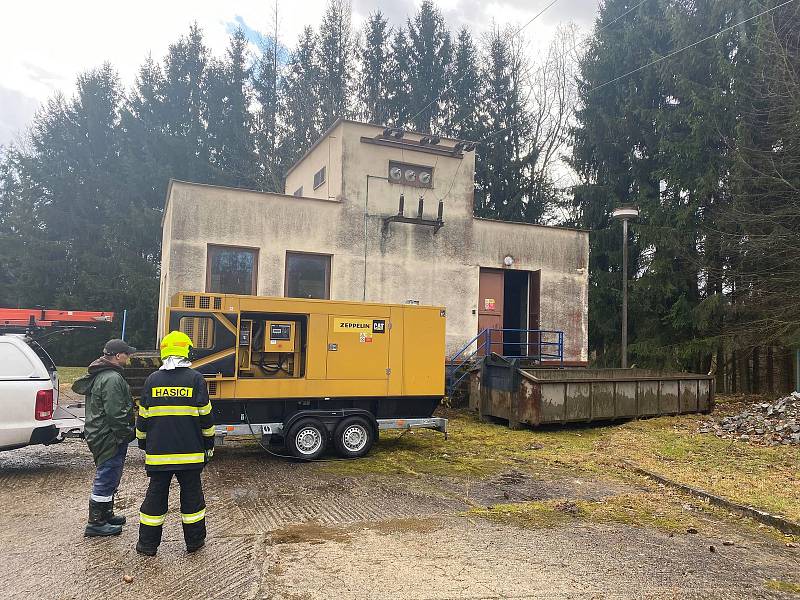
[
  {"x": 354, "y": 437},
  {"x": 307, "y": 439}
]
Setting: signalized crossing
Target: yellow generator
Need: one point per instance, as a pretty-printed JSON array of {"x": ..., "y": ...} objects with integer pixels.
[{"x": 312, "y": 372}]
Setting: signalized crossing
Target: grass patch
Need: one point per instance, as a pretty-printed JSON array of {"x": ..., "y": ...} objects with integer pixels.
[
  {"x": 767, "y": 478},
  {"x": 474, "y": 449},
  {"x": 70, "y": 374},
  {"x": 758, "y": 476},
  {"x": 646, "y": 509},
  {"x": 783, "y": 586}
]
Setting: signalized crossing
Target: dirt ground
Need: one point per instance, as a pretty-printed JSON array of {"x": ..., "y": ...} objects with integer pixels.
[{"x": 285, "y": 530}]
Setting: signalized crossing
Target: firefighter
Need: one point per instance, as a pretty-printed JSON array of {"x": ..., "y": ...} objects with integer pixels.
[{"x": 175, "y": 428}]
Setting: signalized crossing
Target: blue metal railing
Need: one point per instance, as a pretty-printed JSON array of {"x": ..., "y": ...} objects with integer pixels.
[{"x": 511, "y": 343}]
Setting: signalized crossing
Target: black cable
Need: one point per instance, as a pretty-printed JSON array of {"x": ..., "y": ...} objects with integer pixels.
[{"x": 268, "y": 451}]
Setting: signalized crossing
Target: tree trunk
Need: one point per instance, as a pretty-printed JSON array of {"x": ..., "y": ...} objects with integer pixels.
[
  {"x": 746, "y": 373},
  {"x": 755, "y": 378},
  {"x": 770, "y": 370},
  {"x": 721, "y": 370}
]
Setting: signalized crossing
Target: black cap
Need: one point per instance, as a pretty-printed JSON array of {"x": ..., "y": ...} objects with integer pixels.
[{"x": 117, "y": 346}]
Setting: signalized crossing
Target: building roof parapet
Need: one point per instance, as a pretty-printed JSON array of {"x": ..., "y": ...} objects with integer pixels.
[
  {"x": 239, "y": 189},
  {"x": 576, "y": 229}
]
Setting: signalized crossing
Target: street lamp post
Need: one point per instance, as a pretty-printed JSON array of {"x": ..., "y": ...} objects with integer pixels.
[{"x": 624, "y": 214}]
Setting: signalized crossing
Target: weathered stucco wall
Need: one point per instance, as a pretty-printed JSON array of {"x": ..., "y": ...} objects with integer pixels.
[
  {"x": 272, "y": 223},
  {"x": 403, "y": 261},
  {"x": 327, "y": 152},
  {"x": 562, "y": 257}
]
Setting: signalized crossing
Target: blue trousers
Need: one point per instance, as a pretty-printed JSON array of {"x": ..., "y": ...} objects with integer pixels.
[{"x": 108, "y": 475}]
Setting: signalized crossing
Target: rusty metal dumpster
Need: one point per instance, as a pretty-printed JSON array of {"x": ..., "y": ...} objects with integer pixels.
[{"x": 508, "y": 389}]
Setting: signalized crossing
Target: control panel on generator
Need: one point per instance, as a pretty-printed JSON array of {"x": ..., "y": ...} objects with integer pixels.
[
  {"x": 269, "y": 348},
  {"x": 281, "y": 336}
]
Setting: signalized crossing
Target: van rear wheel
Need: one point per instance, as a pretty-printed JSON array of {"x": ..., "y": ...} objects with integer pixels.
[
  {"x": 307, "y": 439},
  {"x": 353, "y": 437}
]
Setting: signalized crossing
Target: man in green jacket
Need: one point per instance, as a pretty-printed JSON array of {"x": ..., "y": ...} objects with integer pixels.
[{"x": 108, "y": 429}]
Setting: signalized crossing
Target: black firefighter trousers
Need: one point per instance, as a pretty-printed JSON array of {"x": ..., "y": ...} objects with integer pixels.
[{"x": 154, "y": 507}]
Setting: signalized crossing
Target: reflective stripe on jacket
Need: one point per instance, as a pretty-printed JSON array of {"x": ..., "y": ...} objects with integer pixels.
[{"x": 175, "y": 426}]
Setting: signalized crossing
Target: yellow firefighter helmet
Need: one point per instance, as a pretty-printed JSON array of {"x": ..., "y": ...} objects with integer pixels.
[{"x": 175, "y": 343}]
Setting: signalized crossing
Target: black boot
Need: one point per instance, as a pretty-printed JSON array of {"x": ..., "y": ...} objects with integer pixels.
[
  {"x": 110, "y": 517},
  {"x": 194, "y": 534},
  {"x": 146, "y": 550},
  {"x": 98, "y": 526}
]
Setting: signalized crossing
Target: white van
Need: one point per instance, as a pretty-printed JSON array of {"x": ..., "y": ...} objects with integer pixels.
[{"x": 29, "y": 395}]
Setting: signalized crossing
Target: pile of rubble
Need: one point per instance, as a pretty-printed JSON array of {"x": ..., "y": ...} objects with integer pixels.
[{"x": 766, "y": 423}]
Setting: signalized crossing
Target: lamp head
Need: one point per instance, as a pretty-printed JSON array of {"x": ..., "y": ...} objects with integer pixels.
[{"x": 625, "y": 212}]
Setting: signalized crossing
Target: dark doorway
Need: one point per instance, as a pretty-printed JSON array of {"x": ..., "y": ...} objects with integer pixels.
[{"x": 515, "y": 312}]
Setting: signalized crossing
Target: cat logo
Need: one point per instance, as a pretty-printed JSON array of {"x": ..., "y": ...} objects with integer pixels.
[
  {"x": 378, "y": 326},
  {"x": 172, "y": 392}
]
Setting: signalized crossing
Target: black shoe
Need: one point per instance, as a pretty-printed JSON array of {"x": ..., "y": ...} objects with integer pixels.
[
  {"x": 101, "y": 530},
  {"x": 146, "y": 550},
  {"x": 98, "y": 526},
  {"x": 195, "y": 547}
]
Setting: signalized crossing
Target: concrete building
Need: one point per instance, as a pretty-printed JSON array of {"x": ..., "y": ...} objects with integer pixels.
[{"x": 329, "y": 237}]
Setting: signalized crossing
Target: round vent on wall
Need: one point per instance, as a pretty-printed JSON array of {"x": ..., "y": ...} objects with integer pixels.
[
  {"x": 411, "y": 175},
  {"x": 395, "y": 173},
  {"x": 425, "y": 178}
]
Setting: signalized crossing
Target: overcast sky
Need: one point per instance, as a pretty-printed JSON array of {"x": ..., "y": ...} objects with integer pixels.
[{"x": 45, "y": 44}]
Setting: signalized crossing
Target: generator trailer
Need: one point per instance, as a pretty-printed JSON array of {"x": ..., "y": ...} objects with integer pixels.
[{"x": 313, "y": 372}]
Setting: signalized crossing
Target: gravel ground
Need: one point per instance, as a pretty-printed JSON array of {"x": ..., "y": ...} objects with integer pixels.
[{"x": 284, "y": 530}]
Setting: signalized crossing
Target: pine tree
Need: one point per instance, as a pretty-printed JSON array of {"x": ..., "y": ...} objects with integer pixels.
[
  {"x": 399, "y": 82},
  {"x": 335, "y": 61},
  {"x": 373, "y": 91},
  {"x": 429, "y": 61},
  {"x": 624, "y": 129},
  {"x": 186, "y": 104},
  {"x": 72, "y": 182},
  {"x": 301, "y": 105},
  {"x": 762, "y": 220},
  {"x": 149, "y": 164},
  {"x": 31, "y": 264},
  {"x": 266, "y": 85},
  {"x": 229, "y": 131},
  {"x": 501, "y": 181},
  {"x": 463, "y": 97},
  {"x": 146, "y": 99}
]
